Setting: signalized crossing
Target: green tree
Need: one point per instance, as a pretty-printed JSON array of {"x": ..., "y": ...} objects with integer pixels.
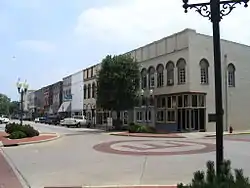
[
  {"x": 4, "y": 104},
  {"x": 118, "y": 84},
  {"x": 14, "y": 107}
]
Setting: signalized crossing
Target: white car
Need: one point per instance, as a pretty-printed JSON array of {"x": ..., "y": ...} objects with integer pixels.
[
  {"x": 76, "y": 121},
  {"x": 4, "y": 119},
  {"x": 37, "y": 120}
]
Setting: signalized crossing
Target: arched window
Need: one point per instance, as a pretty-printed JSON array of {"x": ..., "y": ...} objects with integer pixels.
[
  {"x": 160, "y": 75},
  {"x": 85, "y": 92},
  {"x": 231, "y": 75},
  {"x": 144, "y": 78},
  {"x": 151, "y": 72},
  {"x": 181, "y": 68},
  {"x": 170, "y": 73},
  {"x": 204, "y": 71},
  {"x": 93, "y": 90},
  {"x": 89, "y": 91}
]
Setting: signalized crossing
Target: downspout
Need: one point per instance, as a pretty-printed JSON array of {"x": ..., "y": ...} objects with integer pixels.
[{"x": 226, "y": 93}]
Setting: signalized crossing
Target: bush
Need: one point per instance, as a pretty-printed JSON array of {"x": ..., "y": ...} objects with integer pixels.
[
  {"x": 134, "y": 128},
  {"x": 27, "y": 129},
  {"x": 17, "y": 135},
  {"x": 224, "y": 180}
]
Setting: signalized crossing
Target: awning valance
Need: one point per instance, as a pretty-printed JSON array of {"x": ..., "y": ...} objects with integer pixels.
[{"x": 65, "y": 107}]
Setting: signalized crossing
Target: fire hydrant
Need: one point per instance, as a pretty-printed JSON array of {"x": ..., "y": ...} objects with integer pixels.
[{"x": 230, "y": 129}]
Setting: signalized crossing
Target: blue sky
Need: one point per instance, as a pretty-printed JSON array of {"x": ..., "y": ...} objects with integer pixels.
[{"x": 54, "y": 38}]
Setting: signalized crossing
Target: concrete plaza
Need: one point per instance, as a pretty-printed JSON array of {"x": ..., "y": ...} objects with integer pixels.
[{"x": 77, "y": 159}]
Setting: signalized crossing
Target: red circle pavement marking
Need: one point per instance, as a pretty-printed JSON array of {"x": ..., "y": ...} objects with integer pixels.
[{"x": 149, "y": 147}]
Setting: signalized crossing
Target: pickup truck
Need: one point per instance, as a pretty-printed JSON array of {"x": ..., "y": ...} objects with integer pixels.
[{"x": 75, "y": 121}]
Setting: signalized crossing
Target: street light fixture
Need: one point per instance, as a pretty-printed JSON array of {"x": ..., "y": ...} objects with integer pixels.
[
  {"x": 22, "y": 88},
  {"x": 218, "y": 9},
  {"x": 148, "y": 101}
]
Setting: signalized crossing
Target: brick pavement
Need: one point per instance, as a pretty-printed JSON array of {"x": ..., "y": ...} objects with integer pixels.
[
  {"x": 8, "y": 142},
  {"x": 8, "y": 178}
]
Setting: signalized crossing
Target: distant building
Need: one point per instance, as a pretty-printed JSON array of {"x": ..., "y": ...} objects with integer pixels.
[
  {"x": 57, "y": 89},
  {"x": 77, "y": 93},
  {"x": 65, "y": 108}
]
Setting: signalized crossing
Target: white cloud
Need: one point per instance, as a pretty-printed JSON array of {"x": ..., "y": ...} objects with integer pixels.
[
  {"x": 37, "y": 46},
  {"x": 141, "y": 21}
]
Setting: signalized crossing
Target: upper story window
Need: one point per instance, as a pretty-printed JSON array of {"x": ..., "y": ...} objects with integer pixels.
[
  {"x": 204, "y": 71},
  {"x": 231, "y": 75},
  {"x": 144, "y": 78},
  {"x": 181, "y": 68},
  {"x": 170, "y": 73},
  {"x": 85, "y": 92},
  {"x": 93, "y": 90},
  {"x": 151, "y": 72},
  {"x": 89, "y": 91},
  {"x": 160, "y": 75}
]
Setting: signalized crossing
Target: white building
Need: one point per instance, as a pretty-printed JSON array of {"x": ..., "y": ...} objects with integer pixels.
[
  {"x": 177, "y": 77},
  {"x": 77, "y": 93}
]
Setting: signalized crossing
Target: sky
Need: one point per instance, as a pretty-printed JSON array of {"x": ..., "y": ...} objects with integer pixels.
[{"x": 42, "y": 41}]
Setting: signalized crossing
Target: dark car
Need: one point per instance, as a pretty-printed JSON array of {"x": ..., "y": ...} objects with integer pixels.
[
  {"x": 42, "y": 119},
  {"x": 53, "y": 120}
]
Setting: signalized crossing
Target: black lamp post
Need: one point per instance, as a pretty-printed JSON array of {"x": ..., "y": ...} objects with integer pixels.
[
  {"x": 215, "y": 13},
  {"x": 22, "y": 90}
]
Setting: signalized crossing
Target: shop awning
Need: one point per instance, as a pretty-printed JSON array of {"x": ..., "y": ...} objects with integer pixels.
[{"x": 65, "y": 107}]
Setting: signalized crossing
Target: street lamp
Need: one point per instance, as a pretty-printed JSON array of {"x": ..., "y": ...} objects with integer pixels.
[
  {"x": 217, "y": 10},
  {"x": 148, "y": 98},
  {"x": 22, "y": 88}
]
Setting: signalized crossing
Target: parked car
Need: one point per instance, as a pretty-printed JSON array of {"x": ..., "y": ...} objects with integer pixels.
[
  {"x": 4, "y": 119},
  {"x": 76, "y": 121},
  {"x": 42, "y": 119},
  {"x": 37, "y": 120},
  {"x": 53, "y": 120}
]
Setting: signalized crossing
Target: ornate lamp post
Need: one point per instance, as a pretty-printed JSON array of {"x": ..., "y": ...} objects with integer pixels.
[
  {"x": 148, "y": 99},
  {"x": 22, "y": 88},
  {"x": 218, "y": 9}
]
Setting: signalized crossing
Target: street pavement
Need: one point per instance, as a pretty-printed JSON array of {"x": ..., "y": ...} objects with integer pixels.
[{"x": 75, "y": 159}]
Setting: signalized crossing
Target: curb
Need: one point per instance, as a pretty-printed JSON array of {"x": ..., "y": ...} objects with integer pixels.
[
  {"x": 32, "y": 142},
  {"x": 225, "y": 134},
  {"x": 119, "y": 186},
  {"x": 147, "y": 136}
]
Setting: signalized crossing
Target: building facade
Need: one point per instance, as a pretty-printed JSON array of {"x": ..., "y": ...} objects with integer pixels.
[
  {"x": 65, "y": 108},
  {"x": 89, "y": 92},
  {"x": 77, "y": 93},
  {"x": 57, "y": 89},
  {"x": 177, "y": 84}
]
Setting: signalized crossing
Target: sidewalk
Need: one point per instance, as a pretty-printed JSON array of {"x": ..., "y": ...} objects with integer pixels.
[
  {"x": 6, "y": 142},
  {"x": 8, "y": 177}
]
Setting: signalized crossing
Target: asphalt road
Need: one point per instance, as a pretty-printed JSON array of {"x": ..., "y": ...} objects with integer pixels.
[{"x": 72, "y": 161}]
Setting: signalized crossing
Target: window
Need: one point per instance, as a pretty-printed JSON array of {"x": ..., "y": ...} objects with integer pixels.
[
  {"x": 186, "y": 101},
  {"x": 180, "y": 101},
  {"x": 160, "y": 75},
  {"x": 160, "y": 116},
  {"x": 161, "y": 102},
  {"x": 144, "y": 79},
  {"x": 171, "y": 116},
  {"x": 151, "y": 77},
  {"x": 89, "y": 91},
  {"x": 148, "y": 115},
  {"x": 92, "y": 72},
  {"x": 181, "y": 68},
  {"x": 204, "y": 71},
  {"x": 93, "y": 90},
  {"x": 139, "y": 116},
  {"x": 170, "y": 73},
  {"x": 194, "y": 100},
  {"x": 231, "y": 75},
  {"x": 85, "y": 92},
  {"x": 201, "y": 101}
]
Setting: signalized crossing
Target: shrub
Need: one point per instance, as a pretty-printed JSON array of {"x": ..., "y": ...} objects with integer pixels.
[
  {"x": 134, "y": 128},
  {"x": 17, "y": 135},
  {"x": 27, "y": 129},
  {"x": 224, "y": 180}
]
